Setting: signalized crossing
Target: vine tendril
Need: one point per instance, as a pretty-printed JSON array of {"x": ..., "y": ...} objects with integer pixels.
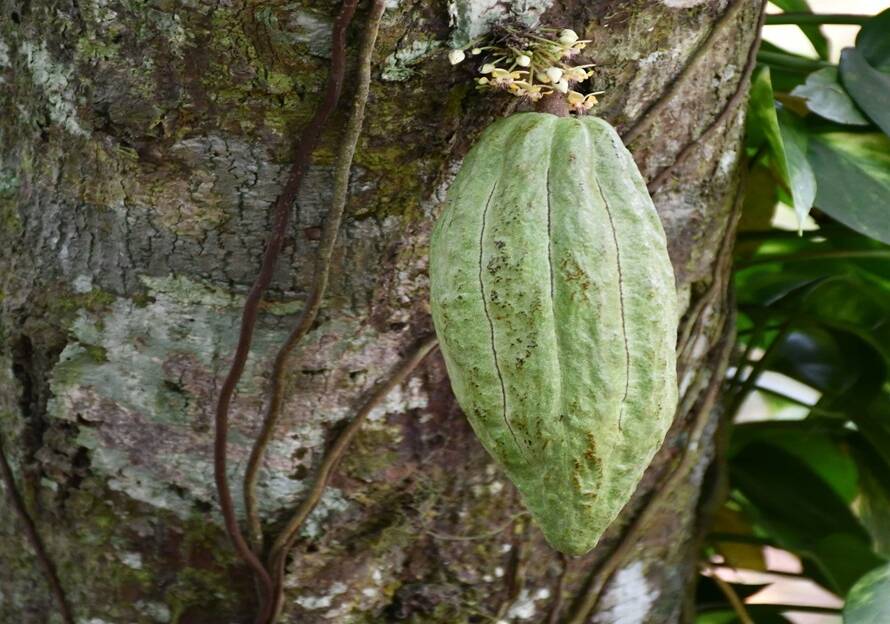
[
  {"x": 281, "y": 211},
  {"x": 322, "y": 270},
  {"x": 728, "y": 109},
  {"x": 285, "y": 540},
  {"x": 33, "y": 537}
]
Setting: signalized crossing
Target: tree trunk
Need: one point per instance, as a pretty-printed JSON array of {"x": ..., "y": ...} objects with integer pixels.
[{"x": 143, "y": 143}]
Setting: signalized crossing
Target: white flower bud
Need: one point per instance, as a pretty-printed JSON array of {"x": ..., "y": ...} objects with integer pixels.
[
  {"x": 476, "y": 51},
  {"x": 554, "y": 73},
  {"x": 487, "y": 68},
  {"x": 523, "y": 60},
  {"x": 568, "y": 37},
  {"x": 456, "y": 56},
  {"x": 562, "y": 86}
]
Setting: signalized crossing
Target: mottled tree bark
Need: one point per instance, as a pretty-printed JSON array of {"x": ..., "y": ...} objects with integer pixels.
[{"x": 143, "y": 142}]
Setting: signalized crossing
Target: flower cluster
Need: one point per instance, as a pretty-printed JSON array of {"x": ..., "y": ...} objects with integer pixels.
[{"x": 532, "y": 65}]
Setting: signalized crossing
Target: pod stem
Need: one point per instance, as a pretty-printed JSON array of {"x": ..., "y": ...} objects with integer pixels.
[{"x": 554, "y": 103}]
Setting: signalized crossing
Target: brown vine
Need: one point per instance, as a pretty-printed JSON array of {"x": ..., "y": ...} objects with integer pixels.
[
  {"x": 281, "y": 211},
  {"x": 286, "y": 539},
  {"x": 660, "y": 105},
  {"x": 728, "y": 109},
  {"x": 33, "y": 537},
  {"x": 322, "y": 270}
]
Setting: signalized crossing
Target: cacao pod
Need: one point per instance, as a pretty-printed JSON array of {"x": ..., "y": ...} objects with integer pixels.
[{"x": 554, "y": 301}]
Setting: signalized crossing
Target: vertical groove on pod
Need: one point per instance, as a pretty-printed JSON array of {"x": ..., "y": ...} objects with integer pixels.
[
  {"x": 599, "y": 190},
  {"x": 494, "y": 351},
  {"x": 553, "y": 280}
]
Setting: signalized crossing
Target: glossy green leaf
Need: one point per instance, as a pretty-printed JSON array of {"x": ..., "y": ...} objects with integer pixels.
[
  {"x": 869, "y": 87},
  {"x": 869, "y": 600},
  {"x": 767, "y": 285},
  {"x": 843, "y": 558},
  {"x": 872, "y": 418},
  {"x": 854, "y": 180},
  {"x": 725, "y": 616},
  {"x": 834, "y": 362},
  {"x": 873, "y": 41},
  {"x": 796, "y": 501},
  {"x": 827, "y": 98},
  {"x": 816, "y": 446},
  {"x": 787, "y": 143},
  {"x": 857, "y": 306},
  {"x": 812, "y": 31},
  {"x": 801, "y": 179},
  {"x": 802, "y": 512},
  {"x": 874, "y": 500}
]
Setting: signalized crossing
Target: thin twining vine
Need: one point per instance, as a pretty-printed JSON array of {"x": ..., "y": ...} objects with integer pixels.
[
  {"x": 33, "y": 537},
  {"x": 269, "y": 574},
  {"x": 281, "y": 211},
  {"x": 322, "y": 271},
  {"x": 651, "y": 113}
]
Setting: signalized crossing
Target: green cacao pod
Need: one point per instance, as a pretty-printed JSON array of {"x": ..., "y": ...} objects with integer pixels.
[{"x": 554, "y": 301}]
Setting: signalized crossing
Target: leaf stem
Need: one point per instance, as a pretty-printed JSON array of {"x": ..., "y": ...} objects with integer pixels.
[
  {"x": 816, "y": 18},
  {"x": 781, "y": 59},
  {"x": 737, "y": 604},
  {"x": 841, "y": 254}
]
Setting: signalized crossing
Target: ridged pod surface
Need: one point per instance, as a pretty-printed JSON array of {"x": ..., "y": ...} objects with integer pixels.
[{"x": 555, "y": 305}]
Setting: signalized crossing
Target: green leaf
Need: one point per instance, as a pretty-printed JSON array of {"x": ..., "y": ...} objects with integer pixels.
[
  {"x": 854, "y": 180},
  {"x": 871, "y": 418},
  {"x": 869, "y": 600},
  {"x": 798, "y": 509},
  {"x": 817, "y": 357},
  {"x": 874, "y": 500},
  {"x": 796, "y": 501},
  {"x": 784, "y": 77},
  {"x": 826, "y": 97},
  {"x": 819, "y": 449},
  {"x": 812, "y": 31},
  {"x": 873, "y": 41},
  {"x": 801, "y": 179},
  {"x": 869, "y": 87},
  {"x": 856, "y": 306},
  {"x": 727, "y": 616},
  {"x": 843, "y": 558},
  {"x": 786, "y": 142}
]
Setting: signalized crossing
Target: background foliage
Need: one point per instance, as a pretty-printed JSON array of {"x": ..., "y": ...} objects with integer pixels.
[{"x": 809, "y": 474}]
